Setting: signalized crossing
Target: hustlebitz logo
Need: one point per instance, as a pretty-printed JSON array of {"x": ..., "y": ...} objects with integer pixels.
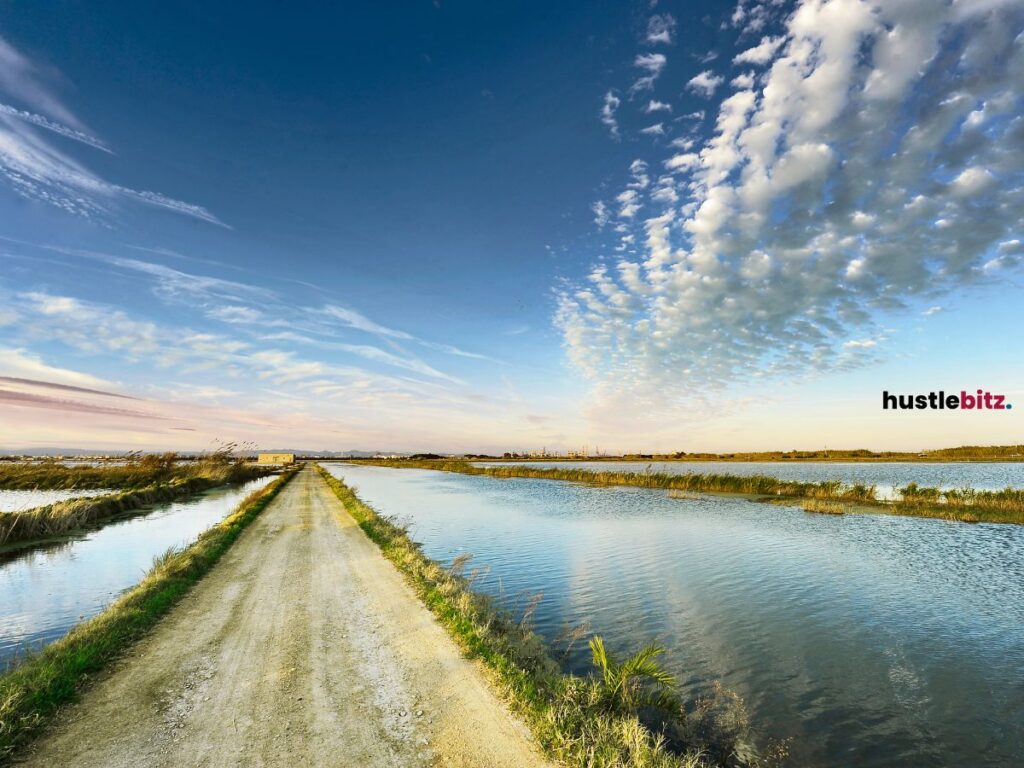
[{"x": 940, "y": 401}]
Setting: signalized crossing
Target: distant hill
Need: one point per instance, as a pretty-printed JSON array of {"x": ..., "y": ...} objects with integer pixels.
[{"x": 59, "y": 451}]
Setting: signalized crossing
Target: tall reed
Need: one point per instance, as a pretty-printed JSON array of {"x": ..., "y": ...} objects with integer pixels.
[
  {"x": 749, "y": 485},
  {"x": 137, "y": 471},
  {"x": 964, "y": 504}
]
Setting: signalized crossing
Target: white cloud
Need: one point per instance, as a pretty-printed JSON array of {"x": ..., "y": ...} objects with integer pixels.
[
  {"x": 660, "y": 29},
  {"x": 657, "y": 129},
  {"x": 683, "y": 162},
  {"x": 744, "y": 81},
  {"x": 1010, "y": 253},
  {"x": 629, "y": 203},
  {"x": 20, "y": 363},
  {"x": 850, "y": 180},
  {"x": 652, "y": 63},
  {"x": 761, "y": 53},
  {"x": 608, "y": 110},
  {"x": 37, "y": 169},
  {"x": 657, "y": 106},
  {"x": 860, "y": 344},
  {"x": 706, "y": 83},
  {"x": 236, "y": 314},
  {"x": 20, "y": 78},
  {"x": 971, "y": 181},
  {"x": 353, "y": 319},
  {"x": 932, "y": 311}
]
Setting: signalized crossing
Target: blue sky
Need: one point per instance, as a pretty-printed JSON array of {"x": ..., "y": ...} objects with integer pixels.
[{"x": 466, "y": 226}]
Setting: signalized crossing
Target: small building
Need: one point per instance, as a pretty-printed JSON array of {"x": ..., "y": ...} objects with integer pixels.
[{"x": 275, "y": 458}]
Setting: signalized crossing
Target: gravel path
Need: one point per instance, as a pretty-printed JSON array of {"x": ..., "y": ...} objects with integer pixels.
[{"x": 303, "y": 647}]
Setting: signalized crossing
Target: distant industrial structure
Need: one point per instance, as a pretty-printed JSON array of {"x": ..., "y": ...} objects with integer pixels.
[
  {"x": 582, "y": 453},
  {"x": 275, "y": 459}
]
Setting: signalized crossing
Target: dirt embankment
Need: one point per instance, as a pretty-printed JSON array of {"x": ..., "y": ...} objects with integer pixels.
[{"x": 302, "y": 647}]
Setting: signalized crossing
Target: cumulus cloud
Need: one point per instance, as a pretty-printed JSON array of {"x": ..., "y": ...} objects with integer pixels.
[
  {"x": 652, "y": 64},
  {"x": 761, "y": 53},
  {"x": 629, "y": 203},
  {"x": 743, "y": 81},
  {"x": 705, "y": 84},
  {"x": 608, "y": 110},
  {"x": 38, "y": 169},
  {"x": 657, "y": 106},
  {"x": 877, "y": 163},
  {"x": 660, "y": 29}
]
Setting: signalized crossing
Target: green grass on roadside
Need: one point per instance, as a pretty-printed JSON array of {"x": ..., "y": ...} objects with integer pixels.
[{"x": 33, "y": 691}]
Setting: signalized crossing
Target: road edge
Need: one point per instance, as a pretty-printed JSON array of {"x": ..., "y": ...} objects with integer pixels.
[{"x": 32, "y": 693}]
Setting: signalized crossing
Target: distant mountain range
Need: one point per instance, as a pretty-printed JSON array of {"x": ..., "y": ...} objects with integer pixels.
[{"x": 57, "y": 451}]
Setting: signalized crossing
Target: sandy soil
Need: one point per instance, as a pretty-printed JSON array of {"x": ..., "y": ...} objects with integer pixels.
[{"x": 303, "y": 647}]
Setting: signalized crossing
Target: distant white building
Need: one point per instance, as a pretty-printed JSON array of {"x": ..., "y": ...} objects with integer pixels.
[{"x": 275, "y": 459}]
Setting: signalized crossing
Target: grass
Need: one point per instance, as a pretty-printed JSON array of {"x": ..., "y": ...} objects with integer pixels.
[
  {"x": 33, "y": 691},
  {"x": 137, "y": 472},
  {"x": 964, "y": 505},
  {"x": 823, "y": 507},
  {"x": 597, "y": 721},
  {"x": 1011, "y": 453}
]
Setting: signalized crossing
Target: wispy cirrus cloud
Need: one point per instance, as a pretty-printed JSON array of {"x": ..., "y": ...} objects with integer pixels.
[
  {"x": 21, "y": 365},
  {"x": 62, "y": 387},
  {"x": 254, "y": 320},
  {"x": 37, "y": 169},
  {"x": 19, "y": 399}
]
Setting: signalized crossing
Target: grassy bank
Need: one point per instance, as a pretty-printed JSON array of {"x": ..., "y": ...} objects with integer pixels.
[
  {"x": 593, "y": 721},
  {"x": 964, "y": 505},
  {"x": 978, "y": 453},
  {"x": 32, "y": 692},
  {"x": 74, "y": 514},
  {"x": 137, "y": 472}
]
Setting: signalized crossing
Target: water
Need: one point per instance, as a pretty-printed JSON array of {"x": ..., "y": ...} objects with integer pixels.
[
  {"x": 867, "y": 640},
  {"x": 885, "y": 476},
  {"x": 45, "y": 592},
  {"x": 18, "y": 501}
]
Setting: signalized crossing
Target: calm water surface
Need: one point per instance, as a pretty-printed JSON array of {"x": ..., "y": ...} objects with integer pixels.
[
  {"x": 868, "y": 640},
  {"x": 17, "y": 501},
  {"x": 885, "y": 476},
  {"x": 45, "y": 592}
]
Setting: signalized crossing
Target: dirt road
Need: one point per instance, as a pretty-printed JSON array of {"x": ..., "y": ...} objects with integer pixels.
[{"x": 303, "y": 647}]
